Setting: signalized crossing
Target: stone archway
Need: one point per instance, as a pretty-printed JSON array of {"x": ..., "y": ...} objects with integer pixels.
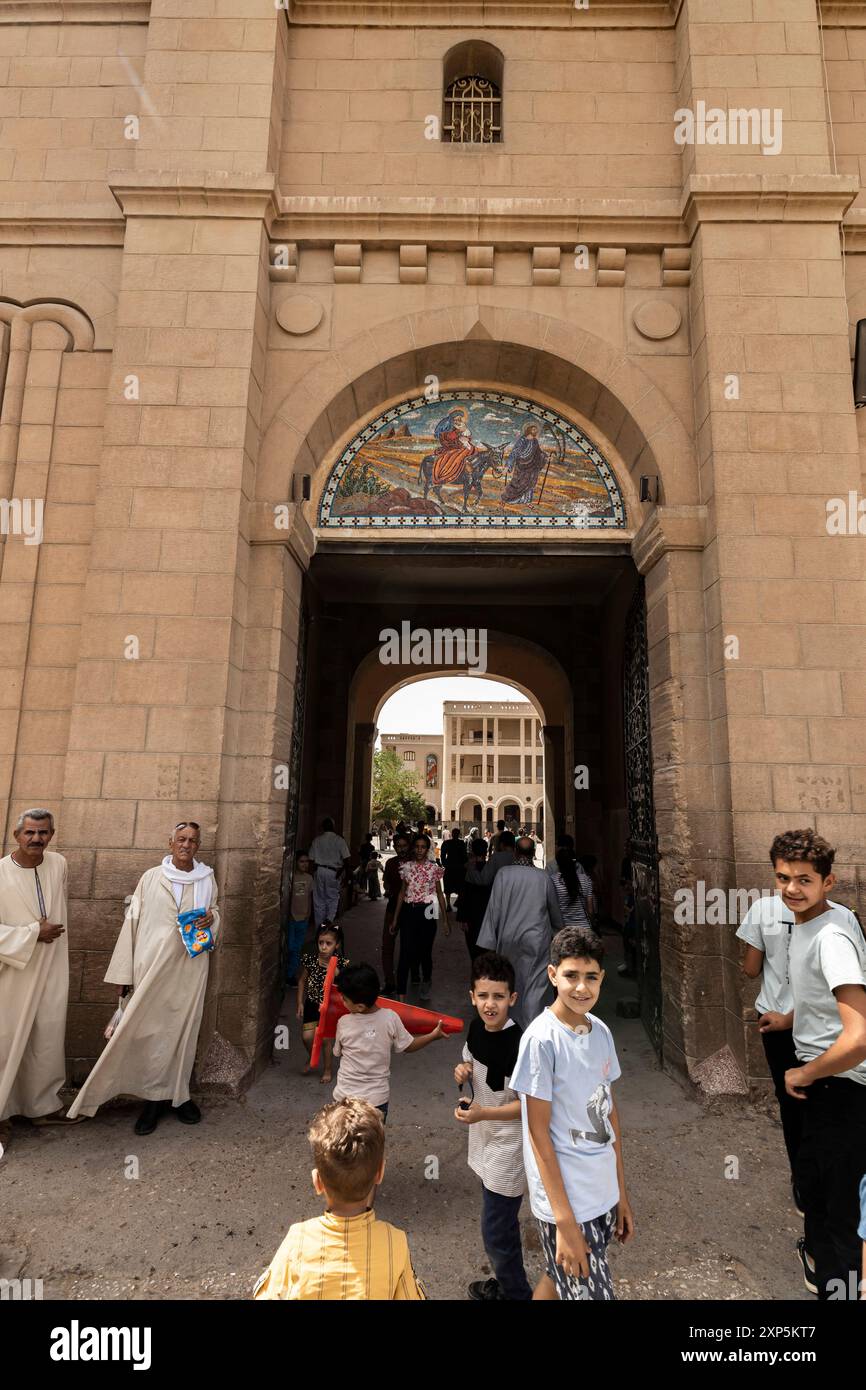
[
  {"x": 542, "y": 681},
  {"x": 607, "y": 391},
  {"x": 638, "y": 431}
]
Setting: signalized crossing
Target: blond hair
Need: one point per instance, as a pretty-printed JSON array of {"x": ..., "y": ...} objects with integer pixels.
[{"x": 348, "y": 1142}]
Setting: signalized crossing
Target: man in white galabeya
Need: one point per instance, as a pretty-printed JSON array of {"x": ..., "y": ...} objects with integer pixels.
[
  {"x": 331, "y": 856},
  {"x": 34, "y": 975},
  {"x": 152, "y": 1050}
]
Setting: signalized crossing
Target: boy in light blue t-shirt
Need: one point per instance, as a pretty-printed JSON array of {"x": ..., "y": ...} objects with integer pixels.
[
  {"x": 766, "y": 930},
  {"x": 827, "y": 969},
  {"x": 572, "y": 1144}
]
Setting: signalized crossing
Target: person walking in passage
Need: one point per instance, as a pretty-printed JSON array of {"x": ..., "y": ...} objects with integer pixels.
[
  {"x": 419, "y": 906},
  {"x": 521, "y": 917},
  {"x": 332, "y": 857},
  {"x": 392, "y": 883},
  {"x": 453, "y": 855},
  {"x": 152, "y": 1050},
  {"x": 473, "y": 897}
]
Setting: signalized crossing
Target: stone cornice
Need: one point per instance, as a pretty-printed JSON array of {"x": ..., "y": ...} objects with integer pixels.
[
  {"x": 297, "y": 534},
  {"x": 31, "y": 228},
  {"x": 848, "y": 14},
  {"x": 767, "y": 198},
  {"x": 505, "y": 222},
  {"x": 854, "y": 229},
  {"x": 498, "y": 14},
  {"x": 190, "y": 194},
  {"x": 668, "y": 528},
  {"x": 75, "y": 12}
]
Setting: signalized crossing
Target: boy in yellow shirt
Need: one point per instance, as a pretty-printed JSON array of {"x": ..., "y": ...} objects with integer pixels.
[{"x": 344, "y": 1254}]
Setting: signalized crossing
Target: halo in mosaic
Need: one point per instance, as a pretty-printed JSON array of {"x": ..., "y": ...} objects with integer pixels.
[{"x": 471, "y": 458}]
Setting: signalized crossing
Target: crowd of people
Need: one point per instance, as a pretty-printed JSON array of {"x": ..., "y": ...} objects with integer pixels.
[{"x": 538, "y": 1063}]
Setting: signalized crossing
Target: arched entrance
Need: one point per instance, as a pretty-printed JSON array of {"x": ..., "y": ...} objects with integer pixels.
[
  {"x": 557, "y": 626},
  {"x": 550, "y": 591},
  {"x": 469, "y": 814}
]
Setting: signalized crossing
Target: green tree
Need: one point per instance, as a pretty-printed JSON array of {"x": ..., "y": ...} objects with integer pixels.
[{"x": 395, "y": 796}]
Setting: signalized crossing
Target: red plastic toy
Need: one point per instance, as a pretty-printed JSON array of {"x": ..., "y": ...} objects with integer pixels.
[{"x": 415, "y": 1021}]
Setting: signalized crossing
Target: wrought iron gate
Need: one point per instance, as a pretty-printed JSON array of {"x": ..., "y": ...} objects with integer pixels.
[
  {"x": 641, "y": 818},
  {"x": 293, "y": 794}
]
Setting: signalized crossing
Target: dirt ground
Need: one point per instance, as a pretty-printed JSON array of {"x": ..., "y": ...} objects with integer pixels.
[{"x": 95, "y": 1212}]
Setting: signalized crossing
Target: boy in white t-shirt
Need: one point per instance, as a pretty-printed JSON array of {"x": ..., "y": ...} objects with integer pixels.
[
  {"x": 365, "y": 1038},
  {"x": 827, "y": 963},
  {"x": 766, "y": 930},
  {"x": 572, "y": 1143}
]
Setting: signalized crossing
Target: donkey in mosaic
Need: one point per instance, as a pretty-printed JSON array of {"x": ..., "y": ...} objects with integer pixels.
[{"x": 471, "y": 475}]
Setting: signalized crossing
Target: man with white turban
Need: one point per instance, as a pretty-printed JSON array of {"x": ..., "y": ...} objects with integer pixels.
[{"x": 152, "y": 1050}]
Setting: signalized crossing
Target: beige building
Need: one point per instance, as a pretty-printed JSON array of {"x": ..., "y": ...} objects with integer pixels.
[
  {"x": 421, "y": 754},
  {"x": 319, "y": 320},
  {"x": 494, "y": 761}
]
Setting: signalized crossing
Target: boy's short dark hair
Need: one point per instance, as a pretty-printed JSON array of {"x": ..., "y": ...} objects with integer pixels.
[
  {"x": 803, "y": 847},
  {"x": 359, "y": 983},
  {"x": 491, "y": 966},
  {"x": 348, "y": 1142},
  {"x": 506, "y": 839},
  {"x": 479, "y": 847},
  {"x": 577, "y": 942}
]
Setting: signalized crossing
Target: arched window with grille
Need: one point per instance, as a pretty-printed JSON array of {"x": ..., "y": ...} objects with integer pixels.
[{"x": 472, "y": 105}]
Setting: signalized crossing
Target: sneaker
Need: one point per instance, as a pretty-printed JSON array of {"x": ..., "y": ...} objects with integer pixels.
[
  {"x": 426, "y": 990},
  {"x": 808, "y": 1266},
  {"x": 486, "y": 1291},
  {"x": 798, "y": 1200}
]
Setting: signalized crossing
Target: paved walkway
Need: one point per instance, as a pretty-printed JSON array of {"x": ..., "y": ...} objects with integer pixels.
[{"x": 209, "y": 1206}]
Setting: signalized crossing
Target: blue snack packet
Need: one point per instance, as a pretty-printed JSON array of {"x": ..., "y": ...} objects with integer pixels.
[{"x": 196, "y": 939}]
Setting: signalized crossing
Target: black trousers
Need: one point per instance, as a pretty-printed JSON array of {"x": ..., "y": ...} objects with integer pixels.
[
  {"x": 417, "y": 933},
  {"x": 830, "y": 1165},
  {"x": 781, "y": 1057}
]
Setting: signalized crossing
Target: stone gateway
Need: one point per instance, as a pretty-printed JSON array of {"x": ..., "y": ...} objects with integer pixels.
[{"x": 319, "y": 320}]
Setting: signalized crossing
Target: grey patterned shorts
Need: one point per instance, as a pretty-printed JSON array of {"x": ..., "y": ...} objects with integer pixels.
[{"x": 598, "y": 1287}]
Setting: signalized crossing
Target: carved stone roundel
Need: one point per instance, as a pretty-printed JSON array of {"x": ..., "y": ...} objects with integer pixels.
[
  {"x": 299, "y": 314},
  {"x": 657, "y": 319}
]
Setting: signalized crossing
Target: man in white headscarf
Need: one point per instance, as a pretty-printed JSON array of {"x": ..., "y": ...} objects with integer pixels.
[
  {"x": 34, "y": 975},
  {"x": 152, "y": 1050}
]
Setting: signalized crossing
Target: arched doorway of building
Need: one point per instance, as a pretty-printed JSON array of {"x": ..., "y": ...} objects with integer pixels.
[{"x": 557, "y": 629}]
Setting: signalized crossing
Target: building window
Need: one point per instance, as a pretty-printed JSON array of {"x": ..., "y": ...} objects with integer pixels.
[
  {"x": 473, "y": 95},
  {"x": 409, "y": 757}
]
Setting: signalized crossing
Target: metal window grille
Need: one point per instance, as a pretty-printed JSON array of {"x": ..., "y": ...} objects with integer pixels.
[{"x": 473, "y": 112}]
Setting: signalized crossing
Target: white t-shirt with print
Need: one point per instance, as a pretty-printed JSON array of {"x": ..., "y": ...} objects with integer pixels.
[
  {"x": 768, "y": 925},
  {"x": 825, "y": 953},
  {"x": 363, "y": 1045},
  {"x": 574, "y": 1071}
]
